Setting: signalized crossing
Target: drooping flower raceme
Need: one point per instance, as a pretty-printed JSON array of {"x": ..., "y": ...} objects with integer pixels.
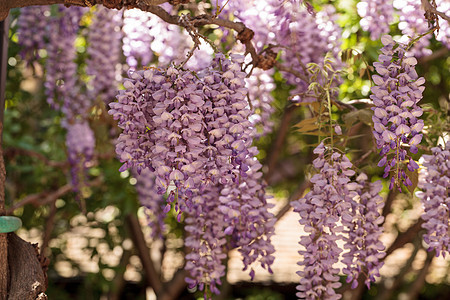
[
  {"x": 337, "y": 209},
  {"x": 207, "y": 240},
  {"x": 137, "y": 38},
  {"x": 363, "y": 240},
  {"x": 174, "y": 123},
  {"x": 192, "y": 131},
  {"x": 61, "y": 69},
  {"x": 152, "y": 202},
  {"x": 396, "y": 125},
  {"x": 306, "y": 39},
  {"x": 32, "y": 30},
  {"x": 412, "y": 24},
  {"x": 376, "y": 16},
  {"x": 104, "y": 53},
  {"x": 319, "y": 213},
  {"x": 63, "y": 91},
  {"x": 434, "y": 180},
  {"x": 80, "y": 142}
]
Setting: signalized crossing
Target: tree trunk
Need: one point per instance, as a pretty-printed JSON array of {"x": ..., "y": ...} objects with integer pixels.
[{"x": 27, "y": 280}]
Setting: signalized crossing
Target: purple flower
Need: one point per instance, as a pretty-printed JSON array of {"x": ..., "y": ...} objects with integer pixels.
[
  {"x": 80, "y": 142},
  {"x": 396, "y": 95},
  {"x": 375, "y": 16},
  {"x": 338, "y": 209},
  {"x": 32, "y": 30},
  {"x": 434, "y": 180},
  {"x": 104, "y": 37},
  {"x": 152, "y": 202},
  {"x": 364, "y": 231},
  {"x": 193, "y": 131}
]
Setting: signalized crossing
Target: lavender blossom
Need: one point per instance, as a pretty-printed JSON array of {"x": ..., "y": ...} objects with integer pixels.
[
  {"x": 61, "y": 69},
  {"x": 32, "y": 30},
  {"x": 328, "y": 202},
  {"x": 363, "y": 241},
  {"x": 80, "y": 142},
  {"x": 104, "y": 56},
  {"x": 207, "y": 240},
  {"x": 337, "y": 209},
  {"x": 434, "y": 180},
  {"x": 375, "y": 16},
  {"x": 151, "y": 201},
  {"x": 137, "y": 38},
  {"x": 192, "y": 131},
  {"x": 412, "y": 24},
  {"x": 396, "y": 125}
]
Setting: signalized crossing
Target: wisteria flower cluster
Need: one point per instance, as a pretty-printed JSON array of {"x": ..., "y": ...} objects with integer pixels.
[
  {"x": 63, "y": 91},
  {"x": 80, "y": 142},
  {"x": 337, "y": 209},
  {"x": 104, "y": 53},
  {"x": 396, "y": 125},
  {"x": 137, "y": 38},
  {"x": 256, "y": 15},
  {"x": 363, "y": 240},
  {"x": 32, "y": 30},
  {"x": 169, "y": 128},
  {"x": 306, "y": 39},
  {"x": 192, "y": 131},
  {"x": 434, "y": 180},
  {"x": 207, "y": 239},
  {"x": 61, "y": 69},
  {"x": 376, "y": 16},
  {"x": 152, "y": 202}
]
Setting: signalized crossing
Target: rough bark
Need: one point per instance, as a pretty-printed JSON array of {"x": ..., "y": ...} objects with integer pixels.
[
  {"x": 27, "y": 279},
  {"x": 6, "y": 5}
]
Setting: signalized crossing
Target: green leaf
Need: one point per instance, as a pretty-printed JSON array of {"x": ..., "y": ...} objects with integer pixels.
[
  {"x": 350, "y": 118},
  {"x": 316, "y": 133},
  {"x": 363, "y": 115},
  {"x": 414, "y": 177},
  {"x": 307, "y": 125}
]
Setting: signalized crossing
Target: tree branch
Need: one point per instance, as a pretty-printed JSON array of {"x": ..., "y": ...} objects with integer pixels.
[
  {"x": 405, "y": 237},
  {"x": 137, "y": 236},
  {"x": 11, "y": 152},
  {"x": 283, "y": 129},
  {"x": 48, "y": 197},
  {"x": 429, "y": 8}
]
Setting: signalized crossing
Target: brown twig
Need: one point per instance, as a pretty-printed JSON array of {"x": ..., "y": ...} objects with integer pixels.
[
  {"x": 283, "y": 130},
  {"x": 342, "y": 105},
  {"x": 405, "y": 237},
  {"x": 415, "y": 289},
  {"x": 363, "y": 157},
  {"x": 49, "y": 225},
  {"x": 47, "y": 197},
  {"x": 294, "y": 196},
  {"x": 285, "y": 68},
  {"x": 11, "y": 152},
  {"x": 388, "y": 203},
  {"x": 435, "y": 55},
  {"x": 175, "y": 287},
  {"x": 429, "y": 8},
  {"x": 386, "y": 292},
  {"x": 118, "y": 282},
  {"x": 152, "y": 277}
]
